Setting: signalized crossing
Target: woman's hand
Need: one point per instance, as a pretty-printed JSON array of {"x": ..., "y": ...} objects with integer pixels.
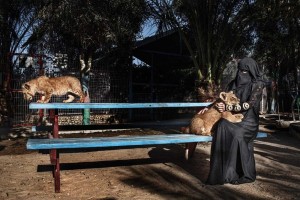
[
  {"x": 202, "y": 111},
  {"x": 220, "y": 107}
]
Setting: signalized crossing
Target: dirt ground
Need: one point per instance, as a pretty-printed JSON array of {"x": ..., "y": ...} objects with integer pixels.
[{"x": 159, "y": 172}]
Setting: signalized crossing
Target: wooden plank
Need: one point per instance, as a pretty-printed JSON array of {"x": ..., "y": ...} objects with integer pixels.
[
  {"x": 65, "y": 143},
  {"x": 113, "y": 105},
  {"x": 124, "y": 141}
]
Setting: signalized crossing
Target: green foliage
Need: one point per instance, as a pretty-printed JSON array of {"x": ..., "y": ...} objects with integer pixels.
[
  {"x": 88, "y": 25},
  {"x": 16, "y": 19},
  {"x": 216, "y": 31},
  {"x": 277, "y": 25},
  {"x": 212, "y": 31}
]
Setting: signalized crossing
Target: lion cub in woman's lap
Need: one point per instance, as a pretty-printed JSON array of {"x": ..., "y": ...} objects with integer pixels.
[
  {"x": 53, "y": 86},
  {"x": 201, "y": 124}
]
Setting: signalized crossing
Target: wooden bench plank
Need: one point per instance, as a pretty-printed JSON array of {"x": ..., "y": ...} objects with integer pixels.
[
  {"x": 112, "y": 105},
  {"x": 64, "y": 143},
  {"x": 69, "y": 143}
]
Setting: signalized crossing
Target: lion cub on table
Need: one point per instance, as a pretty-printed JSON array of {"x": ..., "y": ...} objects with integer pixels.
[
  {"x": 53, "y": 86},
  {"x": 201, "y": 124}
]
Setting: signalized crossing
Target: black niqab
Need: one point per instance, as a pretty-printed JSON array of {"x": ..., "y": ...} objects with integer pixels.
[{"x": 248, "y": 73}]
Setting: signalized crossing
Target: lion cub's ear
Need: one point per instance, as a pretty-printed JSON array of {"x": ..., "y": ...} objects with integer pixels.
[
  {"x": 26, "y": 86},
  {"x": 223, "y": 96}
]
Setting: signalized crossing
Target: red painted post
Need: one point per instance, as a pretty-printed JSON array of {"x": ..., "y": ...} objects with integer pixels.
[
  {"x": 51, "y": 116},
  {"x": 53, "y": 152},
  {"x": 41, "y": 116},
  {"x": 55, "y": 124},
  {"x": 57, "y": 174},
  {"x": 56, "y": 154}
]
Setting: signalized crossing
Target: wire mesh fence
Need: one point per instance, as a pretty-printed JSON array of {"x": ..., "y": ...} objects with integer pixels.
[
  {"x": 105, "y": 85},
  {"x": 108, "y": 83}
]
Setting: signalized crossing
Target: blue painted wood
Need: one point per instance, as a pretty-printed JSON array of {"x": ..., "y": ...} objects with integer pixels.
[
  {"x": 75, "y": 143},
  {"x": 65, "y": 143},
  {"x": 112, "y": 105},
  {"x": 261, "y": 135}
]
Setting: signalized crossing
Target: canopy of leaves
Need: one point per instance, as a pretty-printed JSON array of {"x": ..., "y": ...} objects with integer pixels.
[
  {"x": 213, "y": 30},
  {"x": 16, "y": 20},
  {"x": 277, "y": 25},
  {"x": 88, "y": 25},
  {"x": 217, "y": 31}
]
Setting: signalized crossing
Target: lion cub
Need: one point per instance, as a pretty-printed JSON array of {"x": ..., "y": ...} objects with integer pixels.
[
  {"x": 201, "y": 124},
  {"x": 53, "y": 86}
]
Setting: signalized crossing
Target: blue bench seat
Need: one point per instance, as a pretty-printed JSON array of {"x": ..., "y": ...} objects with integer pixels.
[{"x": 124, "y": 141}]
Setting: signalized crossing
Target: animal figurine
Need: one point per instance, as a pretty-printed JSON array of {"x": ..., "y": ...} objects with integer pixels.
[
  {"x": 53, "y": 86},
  {"x": 202, "y": 124}
]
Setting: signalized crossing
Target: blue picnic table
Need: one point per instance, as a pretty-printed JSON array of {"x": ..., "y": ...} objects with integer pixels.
[{"x": 54, "y": 143}]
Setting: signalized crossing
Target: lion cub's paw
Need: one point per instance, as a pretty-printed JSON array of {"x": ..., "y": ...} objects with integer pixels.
[
  {"x": 239, "y": 117},
  {"x": 67, "y": 101}
]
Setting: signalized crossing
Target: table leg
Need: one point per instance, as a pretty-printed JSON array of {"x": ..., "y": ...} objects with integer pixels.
[
  {"x": 41, "y": 117},
  {"x": 54, "y": 119},
  {"x": 190, "y": 149},
  {"x": 57, "y": 174},
  {"x": 55, "y": 124},
  {"x": 51, "y": 115},
  {"x": 54, "y": 153}
]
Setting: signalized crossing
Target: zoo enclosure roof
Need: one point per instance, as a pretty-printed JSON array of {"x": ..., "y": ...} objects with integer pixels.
[{"x": 166, "y": 50}]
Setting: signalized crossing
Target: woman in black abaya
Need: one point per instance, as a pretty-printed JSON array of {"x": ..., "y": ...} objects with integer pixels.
[{"x": 232, "y": 155}]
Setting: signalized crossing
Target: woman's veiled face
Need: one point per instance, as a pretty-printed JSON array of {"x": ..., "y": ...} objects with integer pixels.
[
  {"x": 243, "y": 77},
  {"x": 249, "y": 65}
]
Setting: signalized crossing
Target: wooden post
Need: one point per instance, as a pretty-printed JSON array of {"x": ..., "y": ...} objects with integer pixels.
[
  {"x": 55, "y": 130},
  {"x": 54, "y": 154},
  {"x": 57, "y": 174}
]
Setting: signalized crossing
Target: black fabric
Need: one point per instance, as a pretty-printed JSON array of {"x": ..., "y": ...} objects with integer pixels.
[
  {"x": 232, "y": 155},
  {"x": 242, "y": 84},
  {"x": 243, "y": 78}
]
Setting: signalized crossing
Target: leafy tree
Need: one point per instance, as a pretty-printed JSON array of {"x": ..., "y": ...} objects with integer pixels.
[
  {"x": 212, "y": 31},
  {"x": 106, "y": 27},
  {"x": 277, "y": 26},
  {"x": 16, "y": 20},
  {"x": 88, "y": 26}
]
